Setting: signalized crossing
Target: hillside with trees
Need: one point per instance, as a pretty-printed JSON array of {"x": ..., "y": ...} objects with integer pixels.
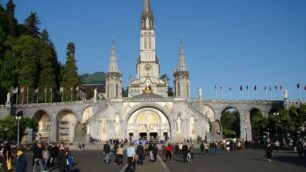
[{"x": 29, "y": 64}]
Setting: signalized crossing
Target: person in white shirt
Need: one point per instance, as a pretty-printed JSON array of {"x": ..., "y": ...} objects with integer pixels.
[{"x": 131, "y": 156}]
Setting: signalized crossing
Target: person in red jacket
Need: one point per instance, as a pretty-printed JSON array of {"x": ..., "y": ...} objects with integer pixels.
[{"x": 168, "y": 153}]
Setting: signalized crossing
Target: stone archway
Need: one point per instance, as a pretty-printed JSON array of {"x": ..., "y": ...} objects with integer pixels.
[
  {"x": 255, "y": 115},
  {"x": 66, "y": 126},
  {"x": 42, "y": 129},
  {"x": 231, "y": 122},
  {"x": 148, "y": 123}
]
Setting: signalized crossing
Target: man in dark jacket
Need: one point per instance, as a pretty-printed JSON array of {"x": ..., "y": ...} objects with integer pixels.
[
  {"x": 106, "y": 150},
  {"x": 140, "y": 154},
  {"x": 185, "y": 152},
  {"x": 37, "y": 156},
  {"x": 155, "y": 151}
]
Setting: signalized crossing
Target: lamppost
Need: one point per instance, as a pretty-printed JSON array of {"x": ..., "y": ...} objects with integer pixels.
[{"x": 18, "y": 119}]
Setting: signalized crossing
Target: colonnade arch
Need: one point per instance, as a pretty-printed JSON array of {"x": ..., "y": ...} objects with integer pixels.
[
  {"x": 43, "y": 125},
  {"x": 66, "y": 126}
]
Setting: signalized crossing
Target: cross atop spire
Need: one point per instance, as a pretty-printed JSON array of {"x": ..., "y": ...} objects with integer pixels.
[
  {"x": 113, "y": 65},
  {"x": 147, "y": 18},
  {"x": 181, "y": 65}
]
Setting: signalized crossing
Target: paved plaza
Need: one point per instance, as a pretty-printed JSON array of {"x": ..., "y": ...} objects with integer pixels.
[{"x": 237, "y": 161}]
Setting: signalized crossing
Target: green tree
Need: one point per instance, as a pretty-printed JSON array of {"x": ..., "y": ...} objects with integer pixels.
[
  {"x": 31, "y": 25},
  {"x": 12, "y": 22},
  {"x": 230, "y": 122},
  {"x": 70, "y": 77},
  {"x": 29, "y": 51},
  {"x": 47, "y": 68}
]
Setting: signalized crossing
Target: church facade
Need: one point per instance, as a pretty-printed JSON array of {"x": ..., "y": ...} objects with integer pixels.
[{"x": 148, "y": 112}]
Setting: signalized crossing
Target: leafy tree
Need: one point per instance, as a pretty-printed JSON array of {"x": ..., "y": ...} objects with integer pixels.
[
  {"x": 28, "y": 74},
  {"x": 47, "y": 68},
  {"x": 12, "y": 22},
  {"x": 230, "y": 122},
  {"x": 70, "y": 77},
  {"x": 31, "y": 25}
]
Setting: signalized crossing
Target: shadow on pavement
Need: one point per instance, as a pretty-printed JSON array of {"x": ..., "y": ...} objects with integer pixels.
[{"x": 291, "y": 160}]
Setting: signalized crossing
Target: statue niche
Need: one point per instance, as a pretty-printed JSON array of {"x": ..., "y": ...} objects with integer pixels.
[{"x": 80, "y": 132}]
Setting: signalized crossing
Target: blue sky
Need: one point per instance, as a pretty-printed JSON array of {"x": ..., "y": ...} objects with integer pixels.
[{"x": 227, "y": 42}]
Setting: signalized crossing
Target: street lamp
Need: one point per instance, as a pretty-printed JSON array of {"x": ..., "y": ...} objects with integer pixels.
[{"x": 18, "y": 119}]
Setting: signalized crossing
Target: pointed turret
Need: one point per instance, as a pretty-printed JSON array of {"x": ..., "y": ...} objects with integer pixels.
[
  {"x": 113, "y": 65},
  {"x": 181, "y": 65},
  {"x": 113, "y": 77},
  {"x": 147, "y": 17},
  {"x": 181, "y": 76}
]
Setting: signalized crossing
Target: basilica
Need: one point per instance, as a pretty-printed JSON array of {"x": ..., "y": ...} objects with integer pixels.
[{"x": 147, "y": 112}]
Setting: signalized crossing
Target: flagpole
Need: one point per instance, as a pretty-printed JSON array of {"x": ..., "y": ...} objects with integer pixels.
[
  {"x": 300, "y": 94},
  {"x": 16, "y": 98},
  {"x": 45, "y": 94},
  {"x": 27, "y": 95},
  {"x": 37, "y": 97},
  {"x": 51, "y": 95}
]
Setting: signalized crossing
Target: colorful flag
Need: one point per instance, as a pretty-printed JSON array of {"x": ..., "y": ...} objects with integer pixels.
[
  {"x": 15, "y": 90},
  {"x": 298, "y": 85},
  {"x": 241, "y": 88},
  {"x": 305, "y": 88},
  {"x": 36, "y": 90}
]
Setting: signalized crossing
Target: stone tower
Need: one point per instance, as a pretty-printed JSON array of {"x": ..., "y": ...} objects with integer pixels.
[
  {"x": 181, "y": 76},
  {"x": 147, "y": 67},
  {"x": 113, "y": 77}
]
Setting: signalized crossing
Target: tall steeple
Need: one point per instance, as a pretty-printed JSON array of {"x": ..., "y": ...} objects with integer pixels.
[
  {"x": 113, "y": 65},
  {"x": 147, "y": 17},
  {"x": 181, "y": 65},
  {"x": 181, "y": 76},
  {"x": 113, "y": 77}
]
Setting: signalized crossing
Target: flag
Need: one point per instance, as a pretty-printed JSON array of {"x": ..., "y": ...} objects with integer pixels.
[
  {"x": 221, "y": 87},
  {"x": 61, "y": 89},
  {"x": 77, "y": 88},
  {"x": 305, "y": 88},
  {"x": 255, "y": 88},
  {"x": 275, "y": 87},
  {"x": 265, "y": 87},
  {"x": 15, "y": 90},
  {"x": 298, "y": 85},
  {"x": 215, "y": 87},
  {"x": 241, "y": 88},
  {"x": 270, "y": 88},
  {"x": 247, "y": 87},
  {"x": 280, "y": 87},
  {"x": 36, "y": 90},
  {"x": 230, "y": 89}
]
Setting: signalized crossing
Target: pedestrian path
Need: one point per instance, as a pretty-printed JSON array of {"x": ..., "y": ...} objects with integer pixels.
[{"x": 148, "y": 166}]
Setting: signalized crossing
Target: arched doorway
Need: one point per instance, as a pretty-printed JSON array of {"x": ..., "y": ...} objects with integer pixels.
[
  {"x": 66, "y": 126},
  {"x": 230, "y": 121},
  {"x": 256, "y": 124},
  {"x": 42, "y": 130},
  {"x": 148, "y": 124}
]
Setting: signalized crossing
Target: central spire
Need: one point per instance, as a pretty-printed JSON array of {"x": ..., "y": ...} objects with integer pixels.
[{"x": 147, "y": 18}]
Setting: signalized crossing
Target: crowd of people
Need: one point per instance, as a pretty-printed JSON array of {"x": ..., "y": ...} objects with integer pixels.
[{"x": 44, "y": 158}]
